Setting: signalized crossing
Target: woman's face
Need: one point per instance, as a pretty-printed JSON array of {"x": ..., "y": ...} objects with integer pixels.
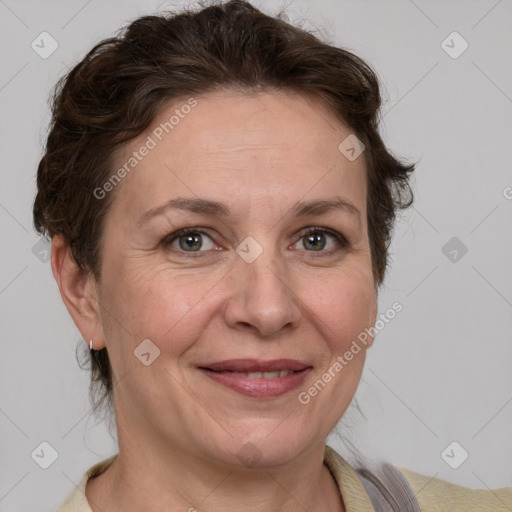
[{"x": 252, "y": 280}]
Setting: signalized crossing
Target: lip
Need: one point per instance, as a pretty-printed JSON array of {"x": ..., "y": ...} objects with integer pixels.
[
  {"x": 223, "y": 373},
  {"x": 256, "y": 365}
]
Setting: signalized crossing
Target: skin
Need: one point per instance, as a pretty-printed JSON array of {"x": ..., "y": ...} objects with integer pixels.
[{"x": 179, "y": 432}]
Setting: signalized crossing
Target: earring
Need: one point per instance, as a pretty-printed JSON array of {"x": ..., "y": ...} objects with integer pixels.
[{"x": 90, "y": 344}]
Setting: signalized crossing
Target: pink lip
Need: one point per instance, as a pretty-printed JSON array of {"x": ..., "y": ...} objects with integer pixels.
[
  {"x": 256, "y": 365},
  {"x": 222, "y": 373}
]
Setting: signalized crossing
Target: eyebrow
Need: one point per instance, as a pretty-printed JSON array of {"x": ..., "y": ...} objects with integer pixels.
[{"x": 217, "y": 209}]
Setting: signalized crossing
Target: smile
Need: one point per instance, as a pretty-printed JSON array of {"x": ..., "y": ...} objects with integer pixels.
[
  {"x": 256, "y": 378},
  {"x": 263, "y": 375}
]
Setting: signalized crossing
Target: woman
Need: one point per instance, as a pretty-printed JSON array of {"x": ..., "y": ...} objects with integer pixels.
[{"x": 220, "y": 205}]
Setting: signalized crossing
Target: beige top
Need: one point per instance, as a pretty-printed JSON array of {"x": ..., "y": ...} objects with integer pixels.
[{"x": 433, "y": 495}]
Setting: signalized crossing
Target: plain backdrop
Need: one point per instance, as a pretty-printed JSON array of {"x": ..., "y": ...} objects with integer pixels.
[{"x": 437, "y": 385}]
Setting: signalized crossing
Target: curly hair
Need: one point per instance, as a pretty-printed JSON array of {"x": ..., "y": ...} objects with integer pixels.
[{"x": 117, "y": 90}]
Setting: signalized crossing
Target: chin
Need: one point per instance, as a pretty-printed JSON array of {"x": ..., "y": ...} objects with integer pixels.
[{"x": 273, "y": 447}]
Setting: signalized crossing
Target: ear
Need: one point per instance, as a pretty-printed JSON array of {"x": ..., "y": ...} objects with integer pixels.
[{"x": 79, "y": 292}]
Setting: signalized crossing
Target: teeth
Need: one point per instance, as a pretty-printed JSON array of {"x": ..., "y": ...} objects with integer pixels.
[{"x": 264, "y": 375}]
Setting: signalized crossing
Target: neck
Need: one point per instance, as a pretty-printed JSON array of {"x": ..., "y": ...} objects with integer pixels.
[{"x": 151, "y": 478}]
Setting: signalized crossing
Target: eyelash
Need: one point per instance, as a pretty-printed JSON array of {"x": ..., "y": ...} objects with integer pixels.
[{"x": 341, "y": 240}]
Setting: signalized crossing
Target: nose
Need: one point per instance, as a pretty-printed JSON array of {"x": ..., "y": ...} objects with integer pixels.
[{"x": 263, "y": 299}]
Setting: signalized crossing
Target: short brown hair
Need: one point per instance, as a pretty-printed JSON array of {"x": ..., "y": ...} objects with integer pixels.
[{"x": 116, "y": 91}]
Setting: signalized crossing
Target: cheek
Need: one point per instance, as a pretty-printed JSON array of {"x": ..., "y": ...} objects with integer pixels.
[
  {"x": 160, "y": 305},
  {"x": 344, "y": 307}
]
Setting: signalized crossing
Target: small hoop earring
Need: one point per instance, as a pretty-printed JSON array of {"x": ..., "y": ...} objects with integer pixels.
[{"x": 90, "y": 344}]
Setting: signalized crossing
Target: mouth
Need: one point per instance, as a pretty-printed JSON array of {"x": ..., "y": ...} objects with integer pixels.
[{"x": 257, "y": 378}]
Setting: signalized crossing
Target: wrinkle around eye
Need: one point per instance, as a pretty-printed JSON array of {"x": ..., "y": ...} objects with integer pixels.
[
  {"x": 338, "y": 238},
  {"x": 173, "y": 238},
  {"x": 331, "y": 235}
]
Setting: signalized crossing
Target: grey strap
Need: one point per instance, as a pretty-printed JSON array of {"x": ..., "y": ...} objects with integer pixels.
[{"x": 388, "y": 490}]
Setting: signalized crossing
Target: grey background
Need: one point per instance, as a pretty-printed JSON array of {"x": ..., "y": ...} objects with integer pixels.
[{"x": 439, "y": 372}]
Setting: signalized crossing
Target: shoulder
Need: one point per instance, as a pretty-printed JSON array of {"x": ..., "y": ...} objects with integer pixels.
[
  {"x": 405, "y": 490},
  {"x": 77, "y": 501},
  {"x": 434, "y": 494}
]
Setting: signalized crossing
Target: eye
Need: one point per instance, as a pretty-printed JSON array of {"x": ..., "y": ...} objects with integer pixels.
[
  {"x": 196, "y": 240},
  {"x": 322, "y": 240},
  {"x": 189, "y": 240}
]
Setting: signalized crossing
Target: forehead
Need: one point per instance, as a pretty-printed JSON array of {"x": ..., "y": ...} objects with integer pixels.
[
  {"x": 231, "y": 120},
  {"x": 241, "y": 146}
]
